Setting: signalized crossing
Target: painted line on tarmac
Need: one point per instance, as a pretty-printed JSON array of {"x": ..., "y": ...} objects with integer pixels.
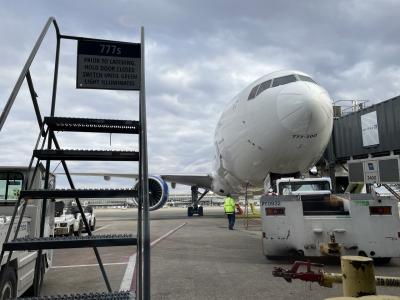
[
  {"x": 129, "y": 279},
  {"x": 90, "y": 265},
  {"x": 100, "y": 228},
  {"x": 129, "y": 275},
  {"x": 167, "y": 234},
  {"x": 115, "y": 219},
  {"x": 103, "y": 227}
]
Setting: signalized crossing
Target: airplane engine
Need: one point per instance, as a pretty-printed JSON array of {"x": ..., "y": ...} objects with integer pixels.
[{"x": 158, "y": 192}]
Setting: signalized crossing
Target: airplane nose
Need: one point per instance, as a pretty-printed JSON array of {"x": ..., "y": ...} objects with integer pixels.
[{"x": 304, "y": 108}]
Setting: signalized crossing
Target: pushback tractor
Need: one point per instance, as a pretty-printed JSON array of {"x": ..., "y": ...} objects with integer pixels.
[{"x": 305, "y": 219}]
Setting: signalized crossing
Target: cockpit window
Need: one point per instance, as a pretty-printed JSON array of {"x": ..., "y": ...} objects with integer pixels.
[
  {"x": 283, "y": 80},
  {"x": 306, "y": 78},
  {"x": 263, "y": 86},
  {"x": 253, "y": 92}
]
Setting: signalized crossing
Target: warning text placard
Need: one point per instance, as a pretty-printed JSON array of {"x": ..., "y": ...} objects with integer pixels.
[{"x": 108, "y": 65}]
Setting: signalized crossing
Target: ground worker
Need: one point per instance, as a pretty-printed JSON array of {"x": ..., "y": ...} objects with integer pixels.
[{"x": 229, "y": 207}]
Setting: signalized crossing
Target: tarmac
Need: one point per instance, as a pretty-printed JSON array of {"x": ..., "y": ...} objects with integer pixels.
[{"x": 191, "y": 258}]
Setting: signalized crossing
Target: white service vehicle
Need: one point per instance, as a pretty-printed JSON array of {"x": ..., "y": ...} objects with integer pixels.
[
  {"x": 305, "y": 219},
  {"x": 19, "y": 274},
  {"x": 68, "y": 221}
]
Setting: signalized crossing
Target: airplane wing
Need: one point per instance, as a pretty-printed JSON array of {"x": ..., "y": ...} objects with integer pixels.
[{"x": 200, "y": 180}]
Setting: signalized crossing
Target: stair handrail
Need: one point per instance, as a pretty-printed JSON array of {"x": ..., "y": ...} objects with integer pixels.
[{"x": 26, "y": 67}]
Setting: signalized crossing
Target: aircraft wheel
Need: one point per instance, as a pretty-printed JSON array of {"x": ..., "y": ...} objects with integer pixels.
[
  {"x": 190, "y": 211},
  {"x": 79, "y": 232},
  {"x": 71, "y": 230},
  {"x": 8, "y": 286},
  {"x": 200, "y": 211}
]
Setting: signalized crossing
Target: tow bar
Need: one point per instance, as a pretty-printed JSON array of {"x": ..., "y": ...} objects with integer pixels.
[
  {"x": 357, "y": 275},
  {"x": 319, "y": 276}
]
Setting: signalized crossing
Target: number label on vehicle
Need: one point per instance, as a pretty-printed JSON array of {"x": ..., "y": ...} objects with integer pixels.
[
  {"x": 361, "y": 202},
  {"x": 273, "y": 203}
]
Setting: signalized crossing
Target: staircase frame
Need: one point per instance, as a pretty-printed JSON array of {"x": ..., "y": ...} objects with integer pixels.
[{"x": 46, "y": 135}]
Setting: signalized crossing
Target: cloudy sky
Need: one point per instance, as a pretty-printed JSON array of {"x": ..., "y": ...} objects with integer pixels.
[{"x": 198, "y": 56}]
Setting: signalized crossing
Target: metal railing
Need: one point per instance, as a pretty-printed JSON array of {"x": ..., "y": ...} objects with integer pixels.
[
  {"x": 143, "y": 228},
  {"x": 25, "y": 74},
  {"x": 25, "y": 70}
]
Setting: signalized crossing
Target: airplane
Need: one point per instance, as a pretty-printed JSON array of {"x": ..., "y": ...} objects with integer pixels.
[{"x": 278, "y": 126}]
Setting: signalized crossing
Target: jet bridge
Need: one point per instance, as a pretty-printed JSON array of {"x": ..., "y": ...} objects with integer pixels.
[{"x": 360, "y": 138}]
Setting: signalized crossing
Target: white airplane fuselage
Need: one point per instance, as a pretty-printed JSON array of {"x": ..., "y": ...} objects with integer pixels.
[
  {"x": 279, "y": 125},
  {"x": 282, "y": 130}
]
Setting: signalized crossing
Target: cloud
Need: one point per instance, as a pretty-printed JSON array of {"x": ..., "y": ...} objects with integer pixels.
[{"x": 198, "y": 57}]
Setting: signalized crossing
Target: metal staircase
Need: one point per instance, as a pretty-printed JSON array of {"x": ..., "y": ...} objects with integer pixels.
[{"x": 47, "y": 149}]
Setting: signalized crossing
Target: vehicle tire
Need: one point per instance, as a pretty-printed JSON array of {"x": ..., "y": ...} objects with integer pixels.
[
  {"x": 382, "y": 260},
  {"x": 90, "y": 226},
  {"x": 79, "y": 232},
  {"x": 190, "y": 211},
  {"x": 71, "y": 230},
  {"x": 8, "y": 284},
  {"x": 93, "y": 225},
  {"x": 31, "y": 291},
  {"x": 200, "y": 211},
  {"x": 362, "y": 253}
]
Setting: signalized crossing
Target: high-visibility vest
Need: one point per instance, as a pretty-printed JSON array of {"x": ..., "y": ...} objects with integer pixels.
[{"x": 229, "y": 205}]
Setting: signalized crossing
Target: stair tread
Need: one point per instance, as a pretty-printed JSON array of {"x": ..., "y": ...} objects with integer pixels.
[
  {"x": 78, "y": 193},
  {"x": 92, "y": 125},
  {"x": 88, "y": 296},
  {"x": 60, "y": 242},
  {"x": 77, "y": 154}
]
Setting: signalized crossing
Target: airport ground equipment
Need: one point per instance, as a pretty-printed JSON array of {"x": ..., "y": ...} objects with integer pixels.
[
  {"x": 18, "y": 273},
  {"x": 358, "y": 277},
  {"x": 69, "y": 222},
  {"x": 246, "y": 213},
  {"x": 48, "y": 149},
  {"x": 375, "y": 170},
  {"x": 318, "y": 223}
]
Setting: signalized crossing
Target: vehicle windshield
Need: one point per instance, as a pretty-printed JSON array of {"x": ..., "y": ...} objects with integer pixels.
[
  {"x": 10, "y": 185},
  {"x": 287, "y": 188},
  {"x": 71, "y": 210}
]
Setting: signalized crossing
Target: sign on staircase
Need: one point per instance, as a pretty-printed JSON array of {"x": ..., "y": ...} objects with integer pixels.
[{"x": 108, "y": 65}]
